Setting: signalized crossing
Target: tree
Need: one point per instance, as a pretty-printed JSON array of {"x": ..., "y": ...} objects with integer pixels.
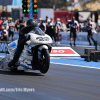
[
  {"x": 70, "y": 3},
  {"x": 83, "y": 3},
  {"x": 50, "y": 3},
  {"x": 63, "y": 8},
  {"x": 62, "y": 3}
]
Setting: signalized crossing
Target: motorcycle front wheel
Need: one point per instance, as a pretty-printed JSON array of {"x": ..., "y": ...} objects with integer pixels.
[{"x": 44, "y": 62}]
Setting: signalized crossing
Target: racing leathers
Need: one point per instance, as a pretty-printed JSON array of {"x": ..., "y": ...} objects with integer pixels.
[{"x": 21, "y": 41}]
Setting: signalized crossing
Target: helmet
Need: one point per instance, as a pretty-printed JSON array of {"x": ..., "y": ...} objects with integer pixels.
[{"x": 32, "y": 23}]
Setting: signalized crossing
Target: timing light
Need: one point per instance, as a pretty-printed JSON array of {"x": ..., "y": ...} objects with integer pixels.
[{"x": 25, "y": 6}]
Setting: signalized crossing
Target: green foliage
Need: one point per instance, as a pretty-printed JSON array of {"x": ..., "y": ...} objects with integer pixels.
[
  {"x": 76, "y": 10},
  {"x": 98, "y": 9},
  {"x": 60, "y": 4},
  {"x": 50, "y": 3},
  {"x": 63, "y": 8}
]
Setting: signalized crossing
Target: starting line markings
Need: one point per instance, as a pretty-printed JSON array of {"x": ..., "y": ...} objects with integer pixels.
[{"x": 63, "y": 52}]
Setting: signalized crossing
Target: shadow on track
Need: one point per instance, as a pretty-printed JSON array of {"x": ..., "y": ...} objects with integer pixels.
[{"x": 8, "y": 72}]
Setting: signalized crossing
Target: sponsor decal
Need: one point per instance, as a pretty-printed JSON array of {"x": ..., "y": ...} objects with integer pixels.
[
  {"x": 60, "y": 37},
  {"x": 3, "y": 47},
  {"x": 63, "y": 51},
  {"x": 64, "y": 37}
]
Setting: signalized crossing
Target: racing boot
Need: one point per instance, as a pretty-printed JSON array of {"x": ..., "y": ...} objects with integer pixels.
[{"x": 13, "y": 65}]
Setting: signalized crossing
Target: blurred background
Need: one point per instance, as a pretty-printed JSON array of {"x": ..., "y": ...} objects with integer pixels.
[
  {"x": 63, "y": 10},
  {"x": 68, "y": 8}
]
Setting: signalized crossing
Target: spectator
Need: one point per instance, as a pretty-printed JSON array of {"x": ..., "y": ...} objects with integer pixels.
[
  {"x": 73, "y": 29},
  {"x": 48, "y": 29},
  {"x": 17, "y": 25},
  {"x": 94, "y": 26},
  {"x": 80, "y": 28},
  {"x": 47, "y": 20},
  {"x": 45, "y": 26},
  {"x": 3, "y": 21},
  {"x": 3, "y": 34},
  {"x": 22, "y": 23},
  {"x": 11, "y": 29},
  {"x": 53, "y": 30},
  {"x": 9, "y": 21},
  {"x": 58, "y": 25},
  {"x": 0, "y": 24},
  {"x": 40, "y": 19},
  {"x": 7, "y": 27},
  {"x": 84, "y": 29},
  {"x": 4, "y": 24},
  {"x": 89, "y": 29},
  {"x": 42, "y": 25},
  {"x": 68, "y": 25},
  {"x": 63, "y": 27},
  {"x": 98, "y": 28}
]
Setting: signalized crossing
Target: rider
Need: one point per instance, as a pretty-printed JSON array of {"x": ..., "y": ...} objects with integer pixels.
[{"x": 31, "y": 23}]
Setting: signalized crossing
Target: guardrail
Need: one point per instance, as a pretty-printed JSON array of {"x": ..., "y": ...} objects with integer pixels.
[{"x": 80, "y": 40}]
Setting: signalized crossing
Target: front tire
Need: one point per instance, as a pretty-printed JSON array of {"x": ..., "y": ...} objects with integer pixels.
[{"x": 45, "y": 62}]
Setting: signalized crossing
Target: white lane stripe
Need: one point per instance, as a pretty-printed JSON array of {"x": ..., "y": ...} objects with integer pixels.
[
  {"x": 79, "y": 45},
  {"x": 75, "y": 65}
]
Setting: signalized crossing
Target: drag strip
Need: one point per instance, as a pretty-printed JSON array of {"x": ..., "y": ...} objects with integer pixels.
[
  {"x": 76, "y": 62},
  {"x": 60, "y": 83},
  {"x": 75, "y": 65}
]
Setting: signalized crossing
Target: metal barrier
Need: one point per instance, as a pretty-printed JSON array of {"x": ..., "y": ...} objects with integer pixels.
[{"x": 81, "y": 39}]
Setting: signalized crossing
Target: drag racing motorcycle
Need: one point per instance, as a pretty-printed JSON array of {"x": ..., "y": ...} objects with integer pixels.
[{"x": 35, "y": 55}]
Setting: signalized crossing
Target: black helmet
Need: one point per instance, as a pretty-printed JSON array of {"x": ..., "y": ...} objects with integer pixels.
[{"x": 32, "y": 23}]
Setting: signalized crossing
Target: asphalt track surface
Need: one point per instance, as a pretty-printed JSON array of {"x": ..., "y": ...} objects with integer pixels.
[
  {"x": 79, "y": 49},
  {"x": 61, "y": 82}
]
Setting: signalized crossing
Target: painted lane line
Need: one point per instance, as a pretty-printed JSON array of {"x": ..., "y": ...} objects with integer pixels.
[{"x": 75, "y": 65}]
